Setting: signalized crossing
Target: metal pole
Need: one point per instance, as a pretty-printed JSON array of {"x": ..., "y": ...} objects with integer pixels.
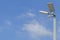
[{"x": 54, "y": 28}]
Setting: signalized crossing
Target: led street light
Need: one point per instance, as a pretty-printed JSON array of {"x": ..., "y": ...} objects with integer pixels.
[{"x": 44, "y": 12}]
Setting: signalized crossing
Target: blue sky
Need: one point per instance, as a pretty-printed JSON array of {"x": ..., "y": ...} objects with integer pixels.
[{"x": 21, "y": 20}]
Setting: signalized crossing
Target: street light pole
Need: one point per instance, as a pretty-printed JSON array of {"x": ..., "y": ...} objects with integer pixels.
[{"x": 51, "y": 8}]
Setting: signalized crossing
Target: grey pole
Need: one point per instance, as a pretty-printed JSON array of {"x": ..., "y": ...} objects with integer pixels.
[{"x": 54, "y": 27}]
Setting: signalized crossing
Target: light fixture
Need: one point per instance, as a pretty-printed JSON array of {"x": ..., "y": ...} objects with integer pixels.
[{"x": 44, "y": 12}]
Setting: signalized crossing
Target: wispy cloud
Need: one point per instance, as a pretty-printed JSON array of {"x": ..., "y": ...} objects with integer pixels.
[
  {"x": 58, "y": 29},
  {"x": 25, "y": 15},
  {"x": 7, "y": 22},
  {"x": 58, "y": 33},
  {"x": 35, "y": 29},
  {"x": 1, "y": 29}
]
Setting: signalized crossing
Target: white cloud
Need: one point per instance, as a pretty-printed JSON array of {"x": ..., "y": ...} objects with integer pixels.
[
  {"x": 8, "y": 23},
  {"x": 1, "y": 29},
  {"x": 35, "y": 29},
  {"x": 5, "y": 26},
  {"x": 31, "y": 14},
  {"x": 58, "y": 33},
  {"x": 28, "y": 14},
  {"x": 58, "y": 29}
]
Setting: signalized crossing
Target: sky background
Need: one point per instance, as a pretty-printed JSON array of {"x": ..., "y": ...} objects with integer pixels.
[{"x": 21, "y": 20}]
